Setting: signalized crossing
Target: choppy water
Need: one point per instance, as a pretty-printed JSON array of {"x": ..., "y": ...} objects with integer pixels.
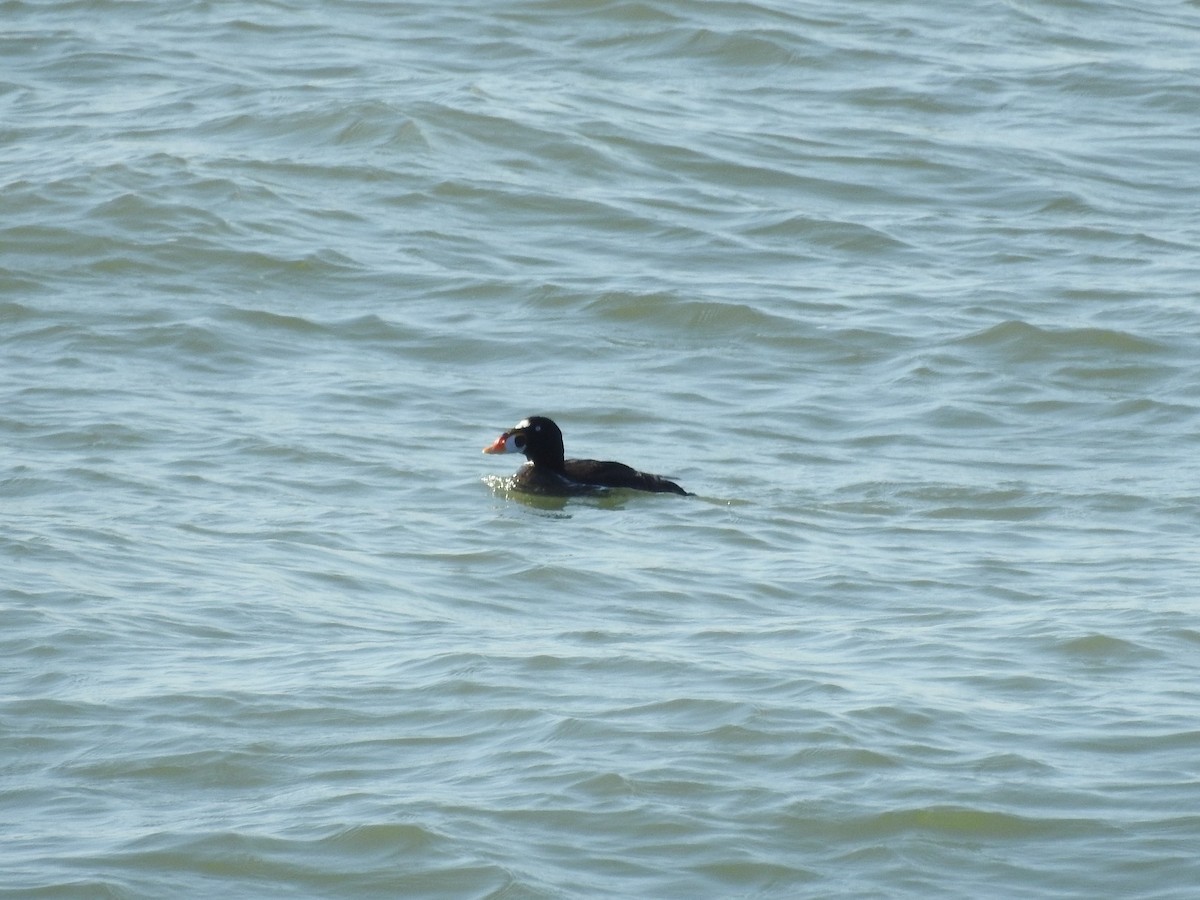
[{"x": 906, "y": 293}]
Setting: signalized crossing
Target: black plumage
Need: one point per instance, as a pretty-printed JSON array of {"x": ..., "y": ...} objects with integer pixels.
[{"x": 549, "y": 472}]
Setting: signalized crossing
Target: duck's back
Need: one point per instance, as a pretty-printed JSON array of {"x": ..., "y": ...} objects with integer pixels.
[{"x": 603, "y": 473}]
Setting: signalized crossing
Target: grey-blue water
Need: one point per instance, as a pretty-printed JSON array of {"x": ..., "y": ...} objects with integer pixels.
[{"x": 905, "y": 293}]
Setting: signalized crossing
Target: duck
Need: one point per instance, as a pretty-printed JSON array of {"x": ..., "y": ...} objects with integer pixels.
[{"x": 549, "y": 472}]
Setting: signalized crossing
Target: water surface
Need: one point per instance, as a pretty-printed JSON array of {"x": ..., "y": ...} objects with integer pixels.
[{"x": 904, "y": 293}]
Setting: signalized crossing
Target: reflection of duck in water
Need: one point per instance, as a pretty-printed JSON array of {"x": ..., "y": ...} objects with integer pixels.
[{"x": 548, "y": 472}]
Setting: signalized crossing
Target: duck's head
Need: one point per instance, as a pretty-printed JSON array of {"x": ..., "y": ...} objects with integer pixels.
[{"x": 537, "y": 437}]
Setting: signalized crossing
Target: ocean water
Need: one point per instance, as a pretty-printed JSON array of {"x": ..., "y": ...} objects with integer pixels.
[{"x": 905, "y": 293}]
